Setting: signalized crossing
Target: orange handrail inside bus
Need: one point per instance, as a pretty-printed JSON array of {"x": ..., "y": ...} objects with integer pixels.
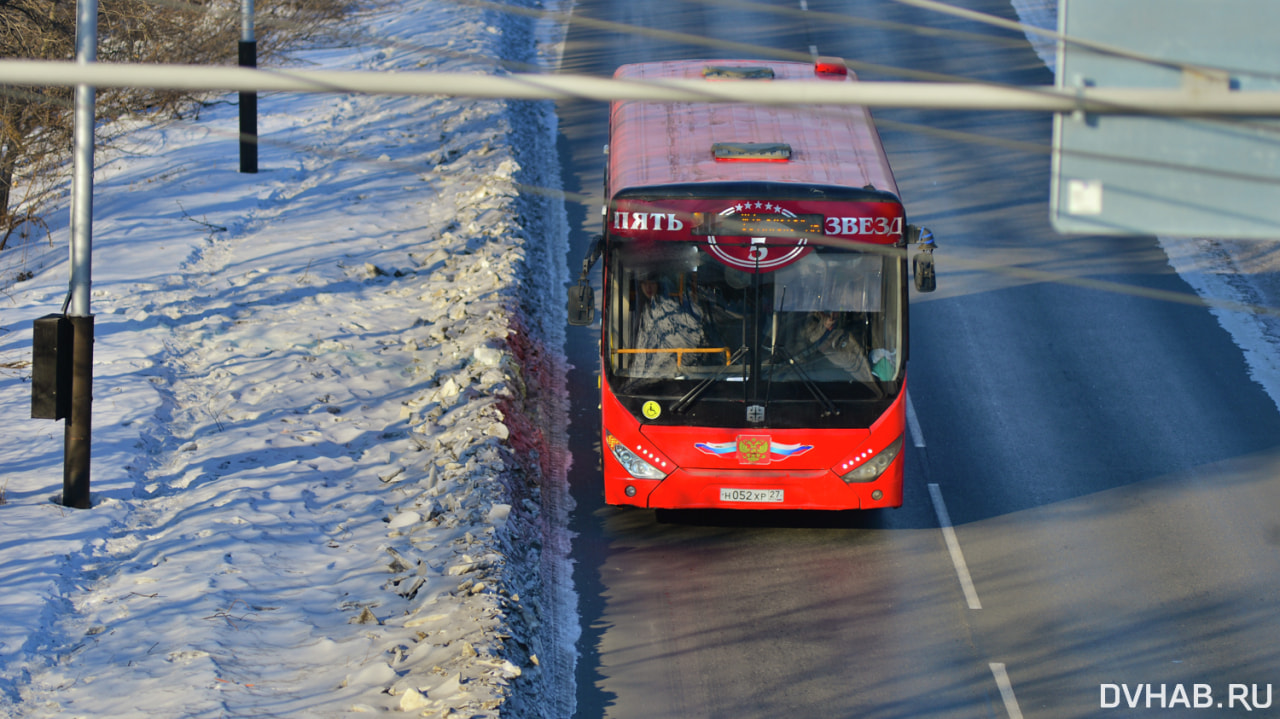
[{"x": 680, "y": 352}]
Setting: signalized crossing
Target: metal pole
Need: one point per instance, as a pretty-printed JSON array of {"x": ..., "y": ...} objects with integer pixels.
[
  {"x": 79, "y": 426},
  {"x": 923, "y": 95},
  {"x": 248, "y": 100}
]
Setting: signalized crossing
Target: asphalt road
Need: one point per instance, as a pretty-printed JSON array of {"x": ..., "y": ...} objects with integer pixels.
[{"x": 1110, "y": 472}]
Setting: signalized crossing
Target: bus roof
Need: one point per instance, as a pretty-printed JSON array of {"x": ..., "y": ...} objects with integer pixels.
[{"x": 654, "y": 144}]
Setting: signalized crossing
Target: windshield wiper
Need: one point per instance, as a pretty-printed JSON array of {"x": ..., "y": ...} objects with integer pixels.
[
  {"x": 828, "y": 407},
  {"x": 692, "y": 395}
]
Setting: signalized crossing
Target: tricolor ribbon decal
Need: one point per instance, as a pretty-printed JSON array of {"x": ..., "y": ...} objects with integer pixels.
[{"x": 754, "y": 449}]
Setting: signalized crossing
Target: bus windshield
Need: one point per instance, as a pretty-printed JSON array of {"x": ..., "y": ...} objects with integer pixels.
[{"x": 827, "y": 323}]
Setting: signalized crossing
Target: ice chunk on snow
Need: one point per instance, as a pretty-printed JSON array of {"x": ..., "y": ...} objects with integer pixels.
[
  {"x": 412, "y": 700},
  {"x": 487, "y": 356},
  {"x": 498, "y": 514},
  {"x": 449, "y": 389}
]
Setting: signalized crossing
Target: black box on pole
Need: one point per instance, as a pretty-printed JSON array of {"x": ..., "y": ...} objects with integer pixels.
[
  {"x": 248, "y": 112},
  {"x": 51, "y": 367}
]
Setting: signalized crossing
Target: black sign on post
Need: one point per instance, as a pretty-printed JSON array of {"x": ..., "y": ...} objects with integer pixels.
[
  {"x": 248, "y": 112},
  {"x": 248, "y": 100},
  {"x": 51, "y": 350}
]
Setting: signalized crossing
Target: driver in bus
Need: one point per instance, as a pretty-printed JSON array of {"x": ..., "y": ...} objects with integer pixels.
[
  {"x": 823, "y": 336},
  {"x": 667, "y": 322}
]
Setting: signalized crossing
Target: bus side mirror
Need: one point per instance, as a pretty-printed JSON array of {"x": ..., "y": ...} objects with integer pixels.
[
  {"x": 922, "y": 268},
  {"x": 582, "y": 305},
  {"x": 922, "y": 263}
]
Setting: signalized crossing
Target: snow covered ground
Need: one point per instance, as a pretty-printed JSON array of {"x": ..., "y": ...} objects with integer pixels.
[{"x": 328, "y": 469}]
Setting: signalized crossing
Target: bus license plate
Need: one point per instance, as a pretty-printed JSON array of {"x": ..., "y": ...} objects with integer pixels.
[{"x": 750, "y": 495}]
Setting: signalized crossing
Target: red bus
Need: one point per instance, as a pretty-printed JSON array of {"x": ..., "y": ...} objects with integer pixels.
[{"x": 754, "y": 312}]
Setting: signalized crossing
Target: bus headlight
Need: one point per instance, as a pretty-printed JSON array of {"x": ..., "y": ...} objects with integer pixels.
[
  {"x": 874, "y": 467},
  {"x": 635, "y": 465}
]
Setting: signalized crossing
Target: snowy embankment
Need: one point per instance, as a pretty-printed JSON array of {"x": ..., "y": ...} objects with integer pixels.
[
  {"x": 1226, "y": 272},
  {"x": 328, "y": 469}
]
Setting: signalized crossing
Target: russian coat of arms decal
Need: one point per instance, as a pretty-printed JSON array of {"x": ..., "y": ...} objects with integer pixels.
[{"x": 753, "y": 449}]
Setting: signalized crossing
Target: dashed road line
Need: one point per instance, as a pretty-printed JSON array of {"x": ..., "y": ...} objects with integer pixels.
[
  {"x": 1006, "y": 691},
  {"x": 813, "y": 49},
  {"x": 953, "y": 546}
]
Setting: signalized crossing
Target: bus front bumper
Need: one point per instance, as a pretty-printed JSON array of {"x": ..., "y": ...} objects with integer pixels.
[{"x": 754, "y": 489}]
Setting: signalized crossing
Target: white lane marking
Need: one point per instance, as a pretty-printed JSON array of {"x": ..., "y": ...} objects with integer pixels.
[
  {"x": 913, "y": 423},
  {"x": 953, "y": 546},
  {"x": 1006, "y": 691},
  {"x": 804, "y": 5}
]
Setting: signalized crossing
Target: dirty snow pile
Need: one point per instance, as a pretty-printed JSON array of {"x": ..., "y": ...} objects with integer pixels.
[{"x": 327, "y": 476}]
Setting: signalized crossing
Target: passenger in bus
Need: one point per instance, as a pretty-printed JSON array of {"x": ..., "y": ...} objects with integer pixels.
[
  {"x": 823, "y": 336},
  {"x": 667, "y": 323}
]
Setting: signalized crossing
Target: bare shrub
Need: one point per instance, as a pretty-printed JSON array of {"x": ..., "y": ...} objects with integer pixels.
[{"x": 36, "y": 122}]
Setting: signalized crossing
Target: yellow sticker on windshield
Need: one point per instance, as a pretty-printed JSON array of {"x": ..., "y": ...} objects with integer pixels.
[{"x": 651, "y": 410}]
